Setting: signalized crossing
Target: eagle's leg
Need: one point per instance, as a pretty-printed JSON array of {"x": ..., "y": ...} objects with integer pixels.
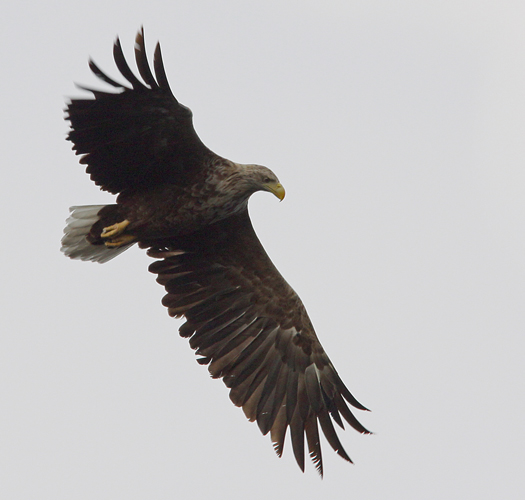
[{"x": 114, "y": 235}]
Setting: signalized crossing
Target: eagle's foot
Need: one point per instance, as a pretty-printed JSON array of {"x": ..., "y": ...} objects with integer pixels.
[
  {"x": 119, "y": 241},
  {"x": 115, "y": 229},
  {"x": 115, "y": 235}
]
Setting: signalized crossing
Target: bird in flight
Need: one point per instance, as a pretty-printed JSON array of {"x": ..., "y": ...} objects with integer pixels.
[{"x": 189, "y": 208}]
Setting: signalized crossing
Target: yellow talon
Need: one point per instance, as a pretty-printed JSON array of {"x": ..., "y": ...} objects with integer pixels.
[
  {"x": 122, "y": 240},
  {"x": 115, "y": 229}
]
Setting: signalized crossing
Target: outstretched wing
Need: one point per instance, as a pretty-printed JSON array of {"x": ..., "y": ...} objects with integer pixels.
[
  {"x": 140, "y": 135},
  {"x": 247, "y": 323}
]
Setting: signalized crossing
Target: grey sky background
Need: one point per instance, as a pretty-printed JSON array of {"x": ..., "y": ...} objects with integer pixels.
[{"x": 398, "y": 131}]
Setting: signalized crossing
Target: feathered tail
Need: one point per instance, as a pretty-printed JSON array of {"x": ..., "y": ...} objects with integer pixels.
[{"x": 75, "y": 244}]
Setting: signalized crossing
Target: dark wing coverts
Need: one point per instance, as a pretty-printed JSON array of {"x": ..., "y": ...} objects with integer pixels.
[
  {"x": 139, "y": 136},
  {"x": 252, "y": 329}
]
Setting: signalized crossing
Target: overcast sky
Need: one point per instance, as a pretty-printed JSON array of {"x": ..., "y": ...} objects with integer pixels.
[{"x": 398, "y": 131}]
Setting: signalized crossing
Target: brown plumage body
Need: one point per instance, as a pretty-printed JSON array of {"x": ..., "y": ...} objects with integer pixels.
[
  {"x": 173, "y": 210},
  {"x": 188, "y": 206}
]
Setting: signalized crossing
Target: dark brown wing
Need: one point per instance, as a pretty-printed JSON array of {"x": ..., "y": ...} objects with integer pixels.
[
  {"x": 139, "y": 136},
  {"x": 248, "y": 324}
]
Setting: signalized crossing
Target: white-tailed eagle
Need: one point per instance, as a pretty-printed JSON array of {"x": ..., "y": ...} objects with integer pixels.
[{"x": 188, "y": 206}]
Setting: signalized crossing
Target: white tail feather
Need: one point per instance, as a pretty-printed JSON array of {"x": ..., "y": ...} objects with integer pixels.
[{"x": 74, "y": 243}]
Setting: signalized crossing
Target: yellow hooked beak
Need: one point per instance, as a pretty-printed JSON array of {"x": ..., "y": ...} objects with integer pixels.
[{"x": 275, "y": 188}]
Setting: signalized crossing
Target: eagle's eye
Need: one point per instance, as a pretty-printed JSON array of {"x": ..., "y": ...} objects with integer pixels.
[{"x": 267, "y": 180}]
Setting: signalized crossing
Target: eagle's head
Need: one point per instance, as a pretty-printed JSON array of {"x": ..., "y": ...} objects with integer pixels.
[{"x": 254, "y": 178}]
